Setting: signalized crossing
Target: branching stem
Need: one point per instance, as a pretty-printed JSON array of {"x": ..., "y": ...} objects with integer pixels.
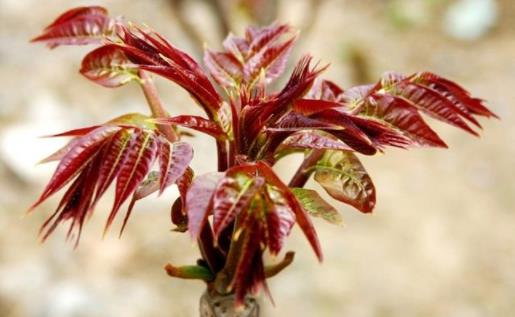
[{"x": 155, "y": 105}]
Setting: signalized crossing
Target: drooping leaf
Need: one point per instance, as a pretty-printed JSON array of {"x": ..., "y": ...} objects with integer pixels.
[
  {"x": 140, "y": 158},
  {"x": 232, "y": 195},
  {"x": 301, "y": 217},
  {"x": 77, "y": 158},
  {"x": 199, "y": 201},
  {"x": 316, "y": 206},
  {"x": 113, "y": 158},
  {"x": 280, "y": 219},
  {"x": 109, "y": 66},
  {"x": 79, "y": 26},
  {"x": 75, "y": 205},
  {"x": 175, "y": 164},
  {"x": 343, "y": 177},
  {"x": 248, "y": 273}
]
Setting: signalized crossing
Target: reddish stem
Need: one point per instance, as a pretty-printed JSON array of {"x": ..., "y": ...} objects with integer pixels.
[
  {"x": 155, "y": 105},
  {"x": 304, "y": 171}
]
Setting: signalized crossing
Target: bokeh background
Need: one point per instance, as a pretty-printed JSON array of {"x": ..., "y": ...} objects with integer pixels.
[{"x": 440, "y": 243}]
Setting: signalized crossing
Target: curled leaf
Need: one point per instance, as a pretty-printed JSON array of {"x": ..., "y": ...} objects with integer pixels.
[
  {"x": 109, "y": 66},
  {"x": 344, "y": 178}
]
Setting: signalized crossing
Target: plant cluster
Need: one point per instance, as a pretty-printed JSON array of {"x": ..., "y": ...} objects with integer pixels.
[{"x": 243, "y": 209}]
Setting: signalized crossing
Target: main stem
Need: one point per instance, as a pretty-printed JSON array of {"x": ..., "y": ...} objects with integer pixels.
[{"x": 212, "y": 256}]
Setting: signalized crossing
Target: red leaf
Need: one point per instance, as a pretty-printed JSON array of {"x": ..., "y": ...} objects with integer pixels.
[
  {"x": 75, "y": 132},
  {"x": 199, "y": 201},
  {"x": 314, "y": 140},
  {"x": 249, "y": 273},
  {"x": 380, "y": 133},
  {"x": 308, "y": 107},
  {"x": 344, "y": 178},
  {"x": 261, "y": 38},
  {"x": 113, "y": 158},
  {"x": 279, "y": 221},
  {"x": 173, "y": 164},
  {"x": 401, "y": 115},
  {"x": 224, "y": 67},
  {"x": 271, "y": 61},
  {"x": 195, "y": 123},
  {"x": 139, "y": 160},
  {"x": 301, "y": 216},
  {"x": 75, "y": 205},
  {"x": 262, "y": 51},
  {"x": 434, "y": 104},
  {"x": 82, "y": 152},
  {"x": 109, "y": 66},
  {"x": 350, "y": 133},
  {"x": 208, "y": 99},
  {"x": 79, "y": 26},
  {"x": 77, "y": 12},
  {"x": 184, "y": 183},
  {"x": 455, "y": 92},
  {"x": 232, "y": 195}
]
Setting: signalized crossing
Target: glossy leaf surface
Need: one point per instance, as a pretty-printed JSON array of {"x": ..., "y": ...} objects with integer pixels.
[
  {"x": 109, "y": 67},
  {"x": 343, "y": 177},
  {"x": 79, "y": 26}
]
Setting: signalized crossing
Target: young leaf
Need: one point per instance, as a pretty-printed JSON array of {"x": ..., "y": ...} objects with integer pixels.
[
  {"x": 173, "y": 164},
  {"x": 77, "y": 158},
  {"x": 109, "y": 66},
  {"x": 261, "y": 52},
  {"x": 140, "y": 158},
  {"x": 224, "y": 67},
  {"x": 302, "y": 219},
  {"x": 113, "y": 158},
  {"x": 280, "y": 219},
  {"x": 199, "y": 201},
  {"x": 79, "y": 26},
  {"x": 455, "y": 92},
  {"x": 343, "y": 177},
  {"x": 232, "y": 195},
  {"x": 398, "y": 114},
  {"x": 196, "y": 123},
  {"x": 312, "y": 139},
  {"x": 316, "y": 206}
]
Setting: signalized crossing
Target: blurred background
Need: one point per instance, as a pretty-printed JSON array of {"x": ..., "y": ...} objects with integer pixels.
[{"x": 440, "y": 243}]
